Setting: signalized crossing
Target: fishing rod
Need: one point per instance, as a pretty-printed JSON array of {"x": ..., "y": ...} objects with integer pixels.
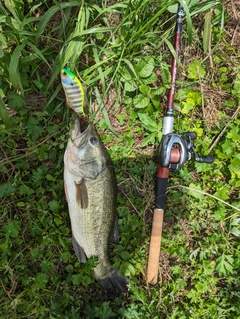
[{"x": 174, "y": 151}]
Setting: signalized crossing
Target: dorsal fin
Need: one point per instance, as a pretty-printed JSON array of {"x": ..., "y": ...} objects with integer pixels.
[{"x": 81, "y": 194}]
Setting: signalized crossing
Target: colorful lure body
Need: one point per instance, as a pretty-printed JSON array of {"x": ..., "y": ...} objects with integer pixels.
[{"x": 74, "y": 91}]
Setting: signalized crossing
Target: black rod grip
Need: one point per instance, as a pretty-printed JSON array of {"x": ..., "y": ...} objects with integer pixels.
[
  {"x": 161, "y": 188},
  {"x": 205, "y": 159}
]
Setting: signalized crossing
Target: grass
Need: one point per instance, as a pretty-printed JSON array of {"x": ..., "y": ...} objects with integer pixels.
[{"x": 122, "y": 53}]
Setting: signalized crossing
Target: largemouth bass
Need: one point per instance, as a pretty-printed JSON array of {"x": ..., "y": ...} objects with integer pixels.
[{"x": 90, "y": 188}]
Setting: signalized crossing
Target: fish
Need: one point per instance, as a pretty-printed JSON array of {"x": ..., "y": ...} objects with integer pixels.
[
  {"x": 91, "y": 192},
  {"x": 74, "y": 92}
]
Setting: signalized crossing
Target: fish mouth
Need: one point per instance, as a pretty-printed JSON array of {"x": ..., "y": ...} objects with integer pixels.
[
  {"x": 81, "y": 128},
  {"x": 80, "y": 131}
]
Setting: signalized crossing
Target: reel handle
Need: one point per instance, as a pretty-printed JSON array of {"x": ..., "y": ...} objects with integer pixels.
[{"x": 204, "y": 159}]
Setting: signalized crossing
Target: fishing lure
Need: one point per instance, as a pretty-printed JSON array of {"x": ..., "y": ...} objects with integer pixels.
[{"x": 74, "y": 91}]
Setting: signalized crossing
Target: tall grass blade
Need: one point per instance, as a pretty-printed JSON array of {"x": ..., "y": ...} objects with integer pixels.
[
  {"x": 207, "y": 31},
  {"x": 14, "y": 67},
  {"x": 14, "y": 9},
  {"x": 204, "y": 6},
  {"x": 189, "y": 20},
  {"x": 102, "y": 108},
  {"x": 48, "y": 15},
  {"x": 38, "y": 53},
  {"x": 4, "y": 114}
]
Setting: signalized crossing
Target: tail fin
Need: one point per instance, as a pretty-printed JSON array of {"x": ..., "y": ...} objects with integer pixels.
[{"x": 114, "y": 283}]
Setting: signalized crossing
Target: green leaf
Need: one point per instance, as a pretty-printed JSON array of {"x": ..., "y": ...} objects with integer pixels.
[
  {"x": 15, "y": 100},
  {"x": 145, "y": 89},
  {"x": 7, "y": 190},
  {"x": 235, "y": 231},
  {"x": 140, "y": 101},
  {"x": 222, "y": 193},
  {"x": 41, "y": 280},
  {"x": 225, "y": 264},
  {"x": 54, "y": 205},
  {"x": 234, "y": 166},
  {"x": 150, "y": 139},
  {"x": 165, "y": 74},
  {"x": 195, "y": 194},
  {"x": 145, "y": 66},
  {"x": 130, "y": 86},
  {"x": 12, "y": 229},
  {"x": 196, "y": 69},
  {"x": 33, "y": 128},
  {"x": 186, "y": 107},
  {"x": 148, "y": 123},
  {"x": 234, "y": 134},
  {"x": 121, "y": 118}
]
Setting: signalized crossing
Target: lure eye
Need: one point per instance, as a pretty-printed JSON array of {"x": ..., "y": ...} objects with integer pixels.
[{"x": 93, "y": 140}]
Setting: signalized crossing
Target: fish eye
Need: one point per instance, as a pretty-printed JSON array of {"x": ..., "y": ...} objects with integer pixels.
[{"x": 93, "y": 140}]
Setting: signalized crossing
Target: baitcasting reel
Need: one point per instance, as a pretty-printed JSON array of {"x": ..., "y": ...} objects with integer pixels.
[{"x": 175, "y": 150}]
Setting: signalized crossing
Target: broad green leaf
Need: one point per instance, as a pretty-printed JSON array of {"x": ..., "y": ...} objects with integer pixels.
[
  {"x": 145, "y": 89},
  {"x": 15, "y": 100},
  {"x": 12, "y": 229},
  {"x": 186, "y": 107},
  {"x": 235, "y": 231},
  {"x": 145, "y": 66},
  {"x": 234, "y": 134},
  {"x": 234, "y": 166},
  {"x": 54, "y": 205},
  {"x": 33, "y": 128},
  {"x": 150, "y": 79},
  {"x": 121, "y": 118},
  {"x": 222, "y": 193},
  {"x": 130, "y": 86},
  {"x": 193, "y": 193},
  {"x": 41, "y": 280},
  {"x": 196, "y": 69},
  {"x": 150, "y": 139},
  {"x": 7, "y": 190},
  {"x": 140, "y": 101},
  {"x": 165, "y": 75},
  {"x": 148, "y": 122},
  {"x": 224, "y": 264}
]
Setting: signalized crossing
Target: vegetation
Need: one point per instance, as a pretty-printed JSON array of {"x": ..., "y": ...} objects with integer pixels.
[{"x": 122, "y": 52}]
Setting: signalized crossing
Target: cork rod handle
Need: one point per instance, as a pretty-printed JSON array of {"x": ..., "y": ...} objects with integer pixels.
[{"x": 155, "y": 244}]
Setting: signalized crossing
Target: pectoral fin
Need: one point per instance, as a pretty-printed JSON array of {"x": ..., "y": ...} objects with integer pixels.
[
  {"x": 81, "y": 194},
  {"x": 79, "y": 251}
]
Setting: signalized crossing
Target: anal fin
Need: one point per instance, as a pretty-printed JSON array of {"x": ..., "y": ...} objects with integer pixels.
[
  {"x": 115, "y": 234},
  {"x": 79, "y": 251}
]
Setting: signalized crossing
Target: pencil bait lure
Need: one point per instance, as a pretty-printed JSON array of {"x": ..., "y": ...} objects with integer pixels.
[{"x": 74, "y": 92}]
